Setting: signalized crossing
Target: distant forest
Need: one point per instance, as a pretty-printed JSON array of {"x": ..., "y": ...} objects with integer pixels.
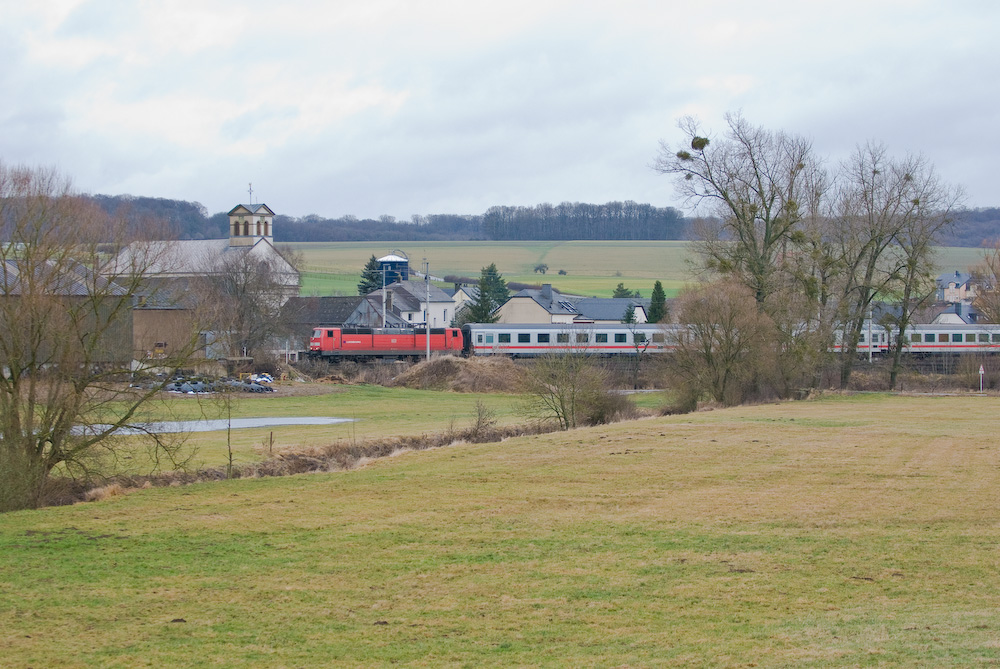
[{"x": 610, "y": 221}]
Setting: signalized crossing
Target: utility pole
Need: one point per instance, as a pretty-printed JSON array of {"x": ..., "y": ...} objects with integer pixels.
[{"x": 427, "y": 306}]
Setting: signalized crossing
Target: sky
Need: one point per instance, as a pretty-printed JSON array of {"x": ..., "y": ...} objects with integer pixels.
[{"x": 403, "y": 108}]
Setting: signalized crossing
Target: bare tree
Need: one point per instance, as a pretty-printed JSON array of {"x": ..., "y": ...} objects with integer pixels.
[
  {"x": 243, "y": 296},
  {"x": 889, "y": 214},
  {"x": 66, "y": 352},
  {"x": 752, "y": 179},
  {"x": 723, "y": 346},
  {"x": 987, "y": 275}
]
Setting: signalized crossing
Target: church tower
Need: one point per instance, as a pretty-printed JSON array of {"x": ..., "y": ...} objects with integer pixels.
[{"x": 249, "y": 223}]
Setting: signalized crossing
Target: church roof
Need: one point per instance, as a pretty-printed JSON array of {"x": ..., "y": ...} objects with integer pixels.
[{"x": 259, "y": 208}]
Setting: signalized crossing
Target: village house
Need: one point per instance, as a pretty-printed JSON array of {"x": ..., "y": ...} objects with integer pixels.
[{"x": 547, "y": 305}]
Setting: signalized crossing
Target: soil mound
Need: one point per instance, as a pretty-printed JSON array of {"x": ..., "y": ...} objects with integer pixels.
[{"x": 464, "y": 375}]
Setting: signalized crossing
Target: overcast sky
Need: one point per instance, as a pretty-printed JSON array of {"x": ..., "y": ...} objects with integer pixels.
[{"x": 372, "y": 107}]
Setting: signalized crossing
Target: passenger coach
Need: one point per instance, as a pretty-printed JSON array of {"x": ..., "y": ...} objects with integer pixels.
[{"x": 529, "y": 340}]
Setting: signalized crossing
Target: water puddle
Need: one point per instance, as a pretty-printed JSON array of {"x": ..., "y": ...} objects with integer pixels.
[{"x": 175, "y": 426}]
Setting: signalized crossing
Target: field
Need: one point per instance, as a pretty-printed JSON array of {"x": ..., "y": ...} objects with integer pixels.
[
  {"x": 592, "y": 268},
  {"x": 375, "y": 411},
  {"x": 846, "y": 531}
]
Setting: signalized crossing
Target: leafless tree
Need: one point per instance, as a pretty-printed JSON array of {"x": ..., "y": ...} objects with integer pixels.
[
  {"x": 66, "y": 352},
  {"x": 242, "y": 297},
  {"x": 987, "y": 275},
  {"x": 723, "y": 345},
  {"x": 889, "y": 215},
  {"x": 754, "y": 182}
]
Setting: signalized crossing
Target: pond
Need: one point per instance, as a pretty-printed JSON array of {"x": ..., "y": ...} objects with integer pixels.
[{"x": 174, "y": 426}]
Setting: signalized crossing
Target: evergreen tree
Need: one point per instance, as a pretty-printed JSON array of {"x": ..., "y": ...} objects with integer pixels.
[
  {"x": 629, "y": 316},
  {"x": 371, "y": 277},
  {"x": 492, "y": 284},
  {"x": 657, "y": 304},
  {"x": 493, "y": 293},
  {"x": 622, "y": 291}
]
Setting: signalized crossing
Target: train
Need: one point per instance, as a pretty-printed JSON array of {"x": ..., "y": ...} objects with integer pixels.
[
  {"x": 334, "y": 343},
  {"x": 604, "y": 339},
  {"x": 618, "y": 339}
]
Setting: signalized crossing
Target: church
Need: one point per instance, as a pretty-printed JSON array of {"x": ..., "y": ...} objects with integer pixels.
[{"x": 176, "y": 270}]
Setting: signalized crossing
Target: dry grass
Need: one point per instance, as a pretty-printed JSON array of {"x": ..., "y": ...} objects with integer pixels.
[{"x": 849, "y": 531}]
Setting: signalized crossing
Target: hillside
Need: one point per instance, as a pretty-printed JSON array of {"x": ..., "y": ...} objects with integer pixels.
[{"x": 841, "y": 532}]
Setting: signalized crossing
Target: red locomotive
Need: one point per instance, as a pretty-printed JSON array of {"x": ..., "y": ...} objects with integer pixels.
[{"x": 368, "y": 343}]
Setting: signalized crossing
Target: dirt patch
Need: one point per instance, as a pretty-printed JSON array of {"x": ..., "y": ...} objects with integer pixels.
[{"x": 464, "y": 375}]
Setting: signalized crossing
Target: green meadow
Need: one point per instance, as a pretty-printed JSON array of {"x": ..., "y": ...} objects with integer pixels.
[
  {"x": 592, "y": 268},
  {"x": 845, "y": 531}
]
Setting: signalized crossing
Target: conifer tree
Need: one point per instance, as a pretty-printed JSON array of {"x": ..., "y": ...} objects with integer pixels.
[
  {"x": 657, "y": 304},
  {"x": 371, "y": 277}
]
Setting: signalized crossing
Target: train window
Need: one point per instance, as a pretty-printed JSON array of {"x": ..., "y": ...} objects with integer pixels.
[
  {"x": 524, "y": 338},
  {"x": 956, "y": 337},
  {"x": 620, "y": 338},
  {"x": 929, "y": 338},
  {"x": 329, "y": 333},
  {"x": 543, "y": 338},
  {"x": 582, "y": 337},
  {"x": 489, "y": 339},
  {"x": 943, "y": 338},
  {"x": 996, "y": 338},
  {"x": 602, "y": 337},
  {"x": 640, "y": 337},
  {"x": 984, "y": 338},
  {"x": 861, "y": 340},
  {"x": 969, "y": 337},
  {"x": 914, "y": 337},
  {"x": 562, "y": 338},
  {"x": 504, "y": 338},
  {"x": 479, "y": 338}
]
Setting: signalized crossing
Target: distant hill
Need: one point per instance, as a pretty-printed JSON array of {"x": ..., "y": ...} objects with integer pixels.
[
  {"x": 975, "y": 228},
  {"x": 609, "y": 221}
]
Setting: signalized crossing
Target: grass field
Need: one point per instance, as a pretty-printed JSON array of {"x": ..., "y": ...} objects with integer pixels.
[
  {"x": 848, "y": 531},
  {"x": 592, "y": 268},
  {"x": 376, "y": 412}
]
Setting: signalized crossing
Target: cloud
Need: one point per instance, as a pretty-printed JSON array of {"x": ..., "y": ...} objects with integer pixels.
[{"x": 418, "y": 107}]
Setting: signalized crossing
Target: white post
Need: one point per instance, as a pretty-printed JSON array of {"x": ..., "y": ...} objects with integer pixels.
[
  {"x": 427, "y": 306},
  {"x": 870, "y": 336},
  {"x": 383, "y": 295}
]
